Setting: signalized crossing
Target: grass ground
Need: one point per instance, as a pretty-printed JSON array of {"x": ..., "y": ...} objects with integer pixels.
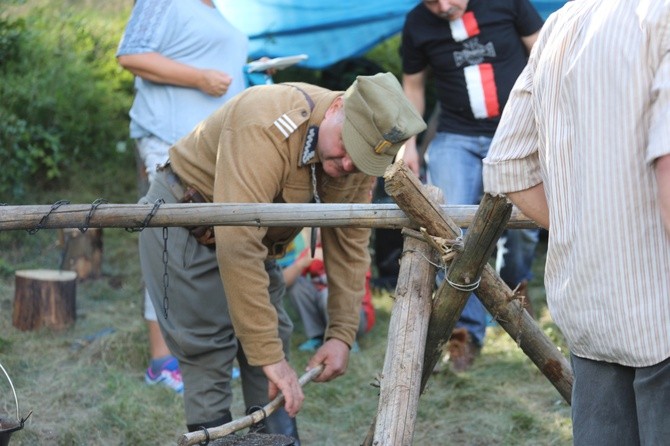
[{"x": 85, "y": 384}]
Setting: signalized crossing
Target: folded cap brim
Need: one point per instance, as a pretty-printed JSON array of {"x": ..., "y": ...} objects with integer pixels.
[{"x": 356, "y": 147}]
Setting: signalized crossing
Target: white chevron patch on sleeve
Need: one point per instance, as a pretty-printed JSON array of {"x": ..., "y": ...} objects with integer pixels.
[{"x": 285, "y": 125}]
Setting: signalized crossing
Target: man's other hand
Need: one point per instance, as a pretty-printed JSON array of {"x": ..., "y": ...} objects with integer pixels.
[
  {"x": 334, "y": 355},
  {"x": 282, "y": 378}
]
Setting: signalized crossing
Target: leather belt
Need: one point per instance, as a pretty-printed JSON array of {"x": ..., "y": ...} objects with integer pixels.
[
  {"x": 188, "y": 194},
  {"x": 173, "y": 181}
]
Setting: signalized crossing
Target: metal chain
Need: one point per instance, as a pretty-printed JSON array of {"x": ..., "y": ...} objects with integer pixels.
[
  {"x": 260, "y": 425},
  {"x": 166, "y": 278},
  {"x": 149, "y": 216},
  {"x": 317, "y": 199},
  {"x": 83, "y": 228},
  {"x": 40, "y": 225}
]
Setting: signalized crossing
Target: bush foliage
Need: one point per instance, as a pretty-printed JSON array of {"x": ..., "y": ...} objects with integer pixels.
[{"x": 63, "y": 99}]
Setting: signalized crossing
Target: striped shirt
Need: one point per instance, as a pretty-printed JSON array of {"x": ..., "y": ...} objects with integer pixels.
[{"x": 587, "y": 117}]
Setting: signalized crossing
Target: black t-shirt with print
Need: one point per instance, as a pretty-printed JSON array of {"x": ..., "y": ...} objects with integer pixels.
[{"x": 474, "y": 60}]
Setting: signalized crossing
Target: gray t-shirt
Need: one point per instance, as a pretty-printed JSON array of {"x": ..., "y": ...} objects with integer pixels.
[{"x": 190, "y": 32}]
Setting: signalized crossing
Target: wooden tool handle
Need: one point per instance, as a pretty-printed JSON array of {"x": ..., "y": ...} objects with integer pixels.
[{"x": 193, "y": 438}]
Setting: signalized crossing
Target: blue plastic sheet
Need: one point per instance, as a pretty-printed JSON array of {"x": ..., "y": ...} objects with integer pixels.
[{"x": 326, "y": 31}]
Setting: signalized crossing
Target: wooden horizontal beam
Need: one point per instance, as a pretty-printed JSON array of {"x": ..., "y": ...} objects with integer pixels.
[{"x": 31, "y": 217}]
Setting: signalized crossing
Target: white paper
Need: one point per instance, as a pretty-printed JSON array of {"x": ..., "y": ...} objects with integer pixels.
[{"x": 278, "y": 63}]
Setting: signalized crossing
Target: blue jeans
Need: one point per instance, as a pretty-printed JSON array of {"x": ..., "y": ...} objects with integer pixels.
[{"x": 455, "y": 166}]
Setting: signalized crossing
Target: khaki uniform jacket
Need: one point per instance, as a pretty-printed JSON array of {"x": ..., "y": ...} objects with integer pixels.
[{"x": 251, "y": 151}]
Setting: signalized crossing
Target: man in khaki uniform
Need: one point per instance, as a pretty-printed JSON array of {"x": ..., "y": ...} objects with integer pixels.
[{"x": 284, "y": 143}]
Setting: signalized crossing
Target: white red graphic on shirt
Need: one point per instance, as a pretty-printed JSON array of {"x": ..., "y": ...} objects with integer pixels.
[
  {"x": 465, "y": 27},
  {"x": 479, "y": 77}
]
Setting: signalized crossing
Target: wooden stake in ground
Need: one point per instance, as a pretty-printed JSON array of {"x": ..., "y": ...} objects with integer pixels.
[
  {"x": 197, "y": 437},
  {"x": 496, "y": 296},
  {"x": 401, "y": 376},
  {"x": 44, "y": 298},
  {"x": 82, "y": 252},
  {"x": 464, "y": 276}
]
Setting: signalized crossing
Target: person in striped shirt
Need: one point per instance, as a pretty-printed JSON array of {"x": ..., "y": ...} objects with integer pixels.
[
  {"x": 474, "y": 50},
  {"x": 583, "y": 148}
]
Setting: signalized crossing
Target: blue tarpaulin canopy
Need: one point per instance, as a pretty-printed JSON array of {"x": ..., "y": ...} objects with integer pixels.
[{"x": 326, "y": 31}]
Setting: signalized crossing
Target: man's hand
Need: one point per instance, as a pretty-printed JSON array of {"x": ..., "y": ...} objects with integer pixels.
[
  {"x": 411, "y": 156},
  {"x": 334, "y": 355},
  {"x": 282, "y": 378}
]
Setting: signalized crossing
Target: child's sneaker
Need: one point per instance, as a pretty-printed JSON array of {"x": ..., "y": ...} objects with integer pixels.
[
  {"x": 311, "y": 345},
  {"x": 169, "y": 376}
]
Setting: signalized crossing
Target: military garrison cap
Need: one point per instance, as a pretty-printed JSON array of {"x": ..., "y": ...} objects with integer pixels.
[{"x": 378, "y": 120}]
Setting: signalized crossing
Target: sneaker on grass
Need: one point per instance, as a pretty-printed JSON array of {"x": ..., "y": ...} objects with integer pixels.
[
  {"x": 169, "y": 376},
  {"x": 311, "y": 345}
]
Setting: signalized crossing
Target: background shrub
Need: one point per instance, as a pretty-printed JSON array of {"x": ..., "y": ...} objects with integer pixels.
[{"x": 63, "y": 101}]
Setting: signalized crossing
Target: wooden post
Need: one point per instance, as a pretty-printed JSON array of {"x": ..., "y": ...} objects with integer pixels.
[
  {"x": 496, "y": 296},
  {"x": 506, "y": 308},
  {"x": 464, "y": 270},
  {"x": 401, "y": 376},
  {"x": 44, "y": 298},
  {"x": 82, "y": 252}
]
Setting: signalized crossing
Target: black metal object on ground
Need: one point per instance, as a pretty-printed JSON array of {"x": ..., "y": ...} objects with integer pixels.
[{"x": 254, "y": 439}]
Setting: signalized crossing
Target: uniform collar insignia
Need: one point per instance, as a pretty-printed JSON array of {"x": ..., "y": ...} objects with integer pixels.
[{"x": 309, "y": 149}]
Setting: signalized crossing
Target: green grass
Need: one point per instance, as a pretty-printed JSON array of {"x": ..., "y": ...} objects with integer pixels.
[{"x": 85, "y": 384}]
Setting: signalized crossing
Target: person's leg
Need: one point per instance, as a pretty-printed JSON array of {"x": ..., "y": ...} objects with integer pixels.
[
  {"x": 455, "y": 166},
  {"x": 515, "y": 255},
  {"x": 197, "y": 329},
  {"x": 305, "y": 298},
  {"x": 254, "y": 381},
  {"x": 652, "y": 392},
  {"x": 603, "y": 404},
  {"x": 514, "y": 260},
  {"x": 473, "y": 319},
  {"x": 163, "y": 367},
  {"x": 152, "y": 152}
]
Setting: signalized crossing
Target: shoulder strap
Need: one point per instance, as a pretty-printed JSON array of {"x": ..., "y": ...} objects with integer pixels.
[{"x": 307, "y": 96}]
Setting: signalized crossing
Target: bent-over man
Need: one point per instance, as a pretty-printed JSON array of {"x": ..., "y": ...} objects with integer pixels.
[{"x": 284, "y": 143}]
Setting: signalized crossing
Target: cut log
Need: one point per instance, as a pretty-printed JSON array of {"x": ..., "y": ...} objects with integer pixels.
[
  {"x": 82, "y": 252},
  {"x": 399, "y": 385},
  {"x": 44, "y": 298}
]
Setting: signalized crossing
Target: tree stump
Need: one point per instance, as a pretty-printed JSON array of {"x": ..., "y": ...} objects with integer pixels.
[
  {"x": 44, "y": 298},
  {"x": 82, "y": 252}
]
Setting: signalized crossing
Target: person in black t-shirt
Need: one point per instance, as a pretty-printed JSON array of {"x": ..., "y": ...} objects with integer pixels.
[{"x": 474, "y": 50}]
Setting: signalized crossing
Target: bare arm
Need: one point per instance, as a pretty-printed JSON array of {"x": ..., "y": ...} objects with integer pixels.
[
  {"x": 529, "y": 41},
  {"x": 533, "y": 203},
  {"x": 662, "y": 169},
  {"x": 414, "y": 86},
  {"x": 295, "y": 269},
  {"x": 160, "y": 69}
]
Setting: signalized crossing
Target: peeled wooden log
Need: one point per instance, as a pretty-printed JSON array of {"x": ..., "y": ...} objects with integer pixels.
[
  {"x": 464, "y": 270},
  {"x": 214, "y": 433},
  {"x": 496, "y": 296},
  {"x": 44, "y": 298},
  {"x": 35, "y": 217},
  {"x": 399, "y": 384}
]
